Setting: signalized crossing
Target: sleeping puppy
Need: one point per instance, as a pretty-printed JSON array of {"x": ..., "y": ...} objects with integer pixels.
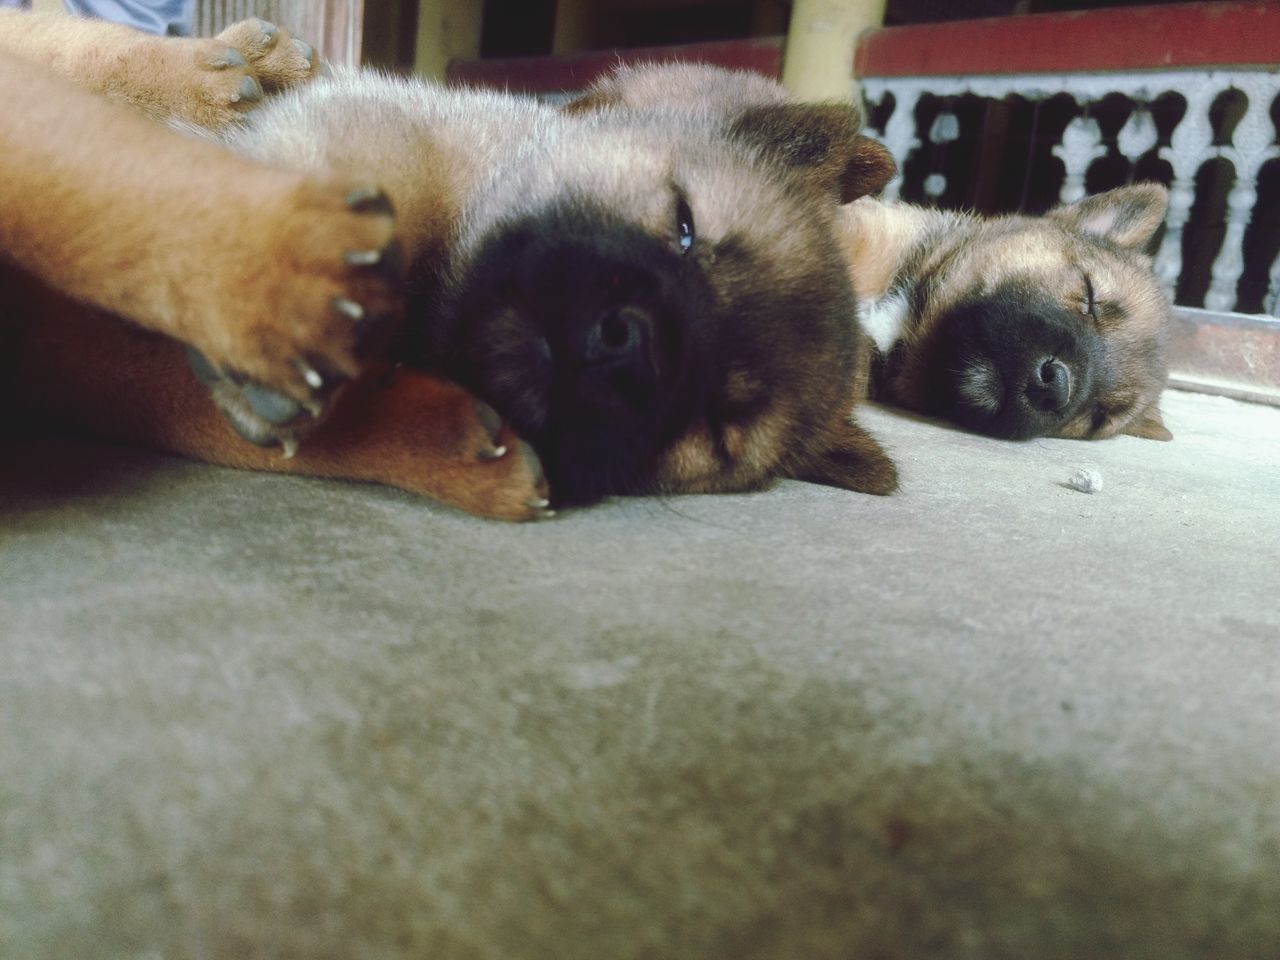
[
  {"x": 654, "y": 299},
  {"x": 1016, "y": 326}
]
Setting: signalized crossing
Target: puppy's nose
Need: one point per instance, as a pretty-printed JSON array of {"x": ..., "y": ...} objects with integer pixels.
[
  {"x": 620, "y": 335},
  {"x": 1049, "y": 386}
]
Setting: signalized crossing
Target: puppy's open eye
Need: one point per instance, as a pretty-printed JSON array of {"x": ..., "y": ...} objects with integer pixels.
[
  {"x": 684, "y": 226},
  {"x": 1089, "y": 305}
]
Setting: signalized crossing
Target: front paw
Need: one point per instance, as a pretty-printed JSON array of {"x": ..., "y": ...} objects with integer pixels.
[
  {"x": 304, "y": 295},
  {"x": 257, "y": 413},
  {"x": 278, "y": 60},
  {"x": 218, "y": 80}
]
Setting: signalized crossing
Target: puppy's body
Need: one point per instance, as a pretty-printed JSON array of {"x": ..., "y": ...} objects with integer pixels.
[
  {"x": 648, "y": 293},
  {"x": 1015, "y": 326},
  {"x": 653, "y": 296}
]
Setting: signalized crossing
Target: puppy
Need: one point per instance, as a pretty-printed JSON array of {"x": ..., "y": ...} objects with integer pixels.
[
  {"x": 653, "y": 299},
  {"x": 1016, "y": 326}
]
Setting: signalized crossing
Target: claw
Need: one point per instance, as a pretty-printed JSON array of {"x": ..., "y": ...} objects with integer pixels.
[
  {"x": 309, "y": 374},
  {"x": 361, "y": 258},
  {"x": 541, "y": 508},
  {"x": 496, "y": 453},
  {"x": 348, "y": 308},
  {"x": 288, "y": 447}
]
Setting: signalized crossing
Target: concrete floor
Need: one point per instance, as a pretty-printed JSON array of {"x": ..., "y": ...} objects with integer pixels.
[{"x": 256, "y": 716}]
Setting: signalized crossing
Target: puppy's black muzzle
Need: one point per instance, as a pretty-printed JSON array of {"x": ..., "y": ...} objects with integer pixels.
[
  {"x": 578, "y": 327},
  {"x": 1042, "y": 358}
]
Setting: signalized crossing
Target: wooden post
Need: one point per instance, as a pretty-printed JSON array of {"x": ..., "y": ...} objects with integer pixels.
[
  {"x": 447, "y": 30},
  {"x": 820, "y": 42}
]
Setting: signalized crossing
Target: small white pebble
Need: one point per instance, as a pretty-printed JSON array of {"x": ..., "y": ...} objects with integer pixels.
[{"x": 1086, "y": 480}]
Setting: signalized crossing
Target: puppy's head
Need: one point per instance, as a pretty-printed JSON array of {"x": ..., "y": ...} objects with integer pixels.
[
  {"x": 820, "y": 144},
  {"x": 657, "y": 303},
  {"x": 1049, "y": 326}
]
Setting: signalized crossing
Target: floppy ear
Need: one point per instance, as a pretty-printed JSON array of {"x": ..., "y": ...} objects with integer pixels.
[
  {"x": 1127, "y": 216},
  {"x": 851, "y": 459},
  {"x": 1148, "y": 424},
  {"x": 819, "y": 142}
]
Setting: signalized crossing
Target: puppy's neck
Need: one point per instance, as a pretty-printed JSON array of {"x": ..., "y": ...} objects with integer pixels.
[
  {"x": 881, "y": 239},
  {"x": 883, "y": 245}
]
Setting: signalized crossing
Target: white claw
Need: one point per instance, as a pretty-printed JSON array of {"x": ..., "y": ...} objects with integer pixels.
[
  {"x": 309, "y": 374},
  {"x": 289, "y": 447}
]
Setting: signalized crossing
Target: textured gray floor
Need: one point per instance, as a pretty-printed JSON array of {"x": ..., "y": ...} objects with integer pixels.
[{"x": 249, "y": 716}]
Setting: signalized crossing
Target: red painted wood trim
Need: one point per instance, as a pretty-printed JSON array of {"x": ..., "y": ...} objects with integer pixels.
[
  {"x": 552, "y": 74},
  {"x": 1128, "y": 38}
]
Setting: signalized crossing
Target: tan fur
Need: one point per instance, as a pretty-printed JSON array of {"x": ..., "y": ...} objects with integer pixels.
[
  {"x": 206, "y": 82},
  {"x": 820, "y": 144},
  {"x": 243, "y": 257},
  {"x": 422, "y": 142},
  {"x": 945, "y": 260},
  {"x": 188, "y": 240}
]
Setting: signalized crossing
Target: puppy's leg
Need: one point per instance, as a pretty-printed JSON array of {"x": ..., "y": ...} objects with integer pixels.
[
  {"x": 285, "y": 279},
  {"x": 396, "y": 426},
  {"x": 206, "y": 82}
]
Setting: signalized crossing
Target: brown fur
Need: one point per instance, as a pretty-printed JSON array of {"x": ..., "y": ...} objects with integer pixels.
[
  {"x": 246, "y": 260},
  {"x": 953, "y": 272},
  {"x": 821, "y": 147},
  {"x": 765, "y": 235},
  {"x": 97, "y": 208}
]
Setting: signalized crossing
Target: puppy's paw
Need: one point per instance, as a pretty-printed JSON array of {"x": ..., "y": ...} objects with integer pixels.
[
  {"x": 278, "y": 59},
  {"x": 457, "y": 449},
  {"x": 213, "y": 83},
  {"x": 427, "y": 436},
  {"x": 305, "y": 290},
  {"x": 258, "y": 414},
  {"x": 507, "y": 481}
]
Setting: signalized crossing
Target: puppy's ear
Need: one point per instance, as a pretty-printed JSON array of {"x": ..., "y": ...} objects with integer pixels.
[
  {"x": 819, "y": 142},
  {"x": 1148, "y": 424},
  {"x": 851, "y": 459},
  {"x": 1127, "y": 216}
]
